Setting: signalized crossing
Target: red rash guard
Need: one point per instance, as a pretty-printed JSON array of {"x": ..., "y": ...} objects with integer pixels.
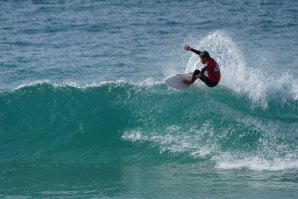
[{"x": 212, "y": 69}]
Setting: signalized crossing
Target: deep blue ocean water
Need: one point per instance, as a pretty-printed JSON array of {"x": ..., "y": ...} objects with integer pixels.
[{"x": 85, "y": 112}]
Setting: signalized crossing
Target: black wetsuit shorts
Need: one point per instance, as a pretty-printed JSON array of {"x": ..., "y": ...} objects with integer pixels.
[{"x": 205, "y": 79}]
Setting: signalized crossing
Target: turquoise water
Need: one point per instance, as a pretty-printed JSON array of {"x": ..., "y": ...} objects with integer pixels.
[{"x": 85, "y": 113}]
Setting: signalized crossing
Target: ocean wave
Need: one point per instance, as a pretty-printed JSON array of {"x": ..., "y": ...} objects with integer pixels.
[{"x": 69, "y": 121}]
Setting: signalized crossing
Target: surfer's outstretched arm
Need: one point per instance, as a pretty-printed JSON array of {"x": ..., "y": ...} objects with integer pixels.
[{"x": 187, "y": 47}]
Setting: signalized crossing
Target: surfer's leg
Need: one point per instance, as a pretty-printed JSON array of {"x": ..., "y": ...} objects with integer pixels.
[{"x": 206, "y": 80}]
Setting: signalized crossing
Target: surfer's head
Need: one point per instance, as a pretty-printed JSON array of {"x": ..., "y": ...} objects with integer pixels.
[{"x": 204, "y": 55}]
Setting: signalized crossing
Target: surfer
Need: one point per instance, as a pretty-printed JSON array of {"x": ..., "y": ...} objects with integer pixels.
[{"x": 210, "y": 66}]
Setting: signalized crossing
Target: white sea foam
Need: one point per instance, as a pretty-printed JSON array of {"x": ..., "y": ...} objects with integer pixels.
[
  {"x": 257, "y": 163},
  {"x": 270, "y": 152},
  {"x": 83, "y": 85},
  {"x": 176, "y": 141},
  {"x": 32, "y": 83}
]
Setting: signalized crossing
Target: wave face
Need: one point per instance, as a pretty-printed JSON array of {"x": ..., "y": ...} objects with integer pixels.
[
  {"x": 61, "y": 141},
  {"x": 67, "y": 123}
]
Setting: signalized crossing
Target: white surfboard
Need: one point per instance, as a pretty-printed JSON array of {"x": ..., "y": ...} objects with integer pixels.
[{"x": 175, "y": 81}]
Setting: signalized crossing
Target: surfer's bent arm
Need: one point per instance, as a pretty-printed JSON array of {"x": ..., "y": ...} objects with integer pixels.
[
  {"x": 196, "y": 74},
  {"x": 203, "y": 70}
]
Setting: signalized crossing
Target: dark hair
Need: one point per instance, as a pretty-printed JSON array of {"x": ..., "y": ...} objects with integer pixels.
[{"x": 205, "y": 54}]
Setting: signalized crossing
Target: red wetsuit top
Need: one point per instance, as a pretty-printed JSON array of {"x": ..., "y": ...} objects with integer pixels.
[
  {"x": 213, "y": 72},
  {"x": 212, "y": 69}
]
